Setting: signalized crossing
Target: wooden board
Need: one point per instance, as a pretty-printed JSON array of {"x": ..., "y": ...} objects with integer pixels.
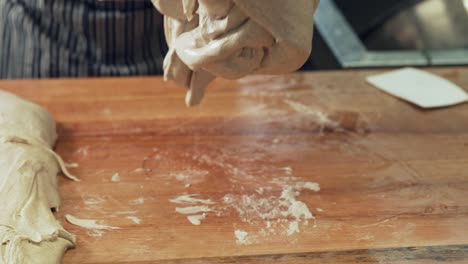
[{"x": 394, "y": 178}]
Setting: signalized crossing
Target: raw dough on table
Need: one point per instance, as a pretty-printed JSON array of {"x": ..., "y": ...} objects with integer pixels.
[
  {"x": 233, "y": 38},
  {"x": 29, "y": 232}
]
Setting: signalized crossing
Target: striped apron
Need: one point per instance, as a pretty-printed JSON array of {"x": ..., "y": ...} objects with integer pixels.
[{"x": 75, "y": 38}]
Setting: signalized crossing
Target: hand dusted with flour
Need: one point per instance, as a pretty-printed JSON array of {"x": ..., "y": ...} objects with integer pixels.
[
  {"x": 29, "y": 233},
  {"x": 233, "y": 38}
]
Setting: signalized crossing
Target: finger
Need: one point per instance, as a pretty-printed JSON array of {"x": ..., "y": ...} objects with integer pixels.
[
  {"x": 176, "y": 70},
  {"x": 199, "y": 82}
]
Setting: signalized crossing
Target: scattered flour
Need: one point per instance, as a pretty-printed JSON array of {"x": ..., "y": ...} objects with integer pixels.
[
  {"x": 260, "y": 190},
  {"x": 193, "y": 209},
  {"x": 140, "y": 200},
  {"x": 190, "y": 199},
  {"x": 83, "y": 151},
  {"x": 139, "y": 170},
  {"x": 253, "y": 207},
  {"x": 313, "y": 186},
  {"x": 242, "y": 237},
  {"x": 277, "y": 212},
  {"x": 125, "y": 212},
  {"x": 71, "y": 165},
  {"x": 319, "y": 209},
  {"x": 272, "y": 207},
  {"x": 191, "y": 176},
  {"x": 95, "y": 233},
  {"x": 93, "y": 201},
  {"x": 297, "y": 209},
  {"x": 135, "y": 219},
  {"x": 87, "y": 223},
  {"x": 115, "y": 177},
  {"x": 196, "y": 219},
  {"x": 256, "y": 207},
  {"x": 293, "y": 228}
]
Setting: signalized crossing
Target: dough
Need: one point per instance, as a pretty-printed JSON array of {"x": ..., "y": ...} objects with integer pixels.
[
  {"x": 29, "y": 232},
  {"x": 233, "y": 38}
]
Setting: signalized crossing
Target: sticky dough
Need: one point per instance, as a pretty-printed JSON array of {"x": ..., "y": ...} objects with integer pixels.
[
  {"x": 233, "y": 38},
  {"x": 29, "y": 232}
]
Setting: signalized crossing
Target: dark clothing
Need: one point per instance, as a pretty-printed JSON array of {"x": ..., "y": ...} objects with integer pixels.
[{"x": 74, "y": 38}]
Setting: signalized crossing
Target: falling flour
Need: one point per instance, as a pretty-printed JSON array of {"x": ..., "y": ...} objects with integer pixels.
[
  {"x": 87, "y": 223},
  {"x": 319, "y": 117}
]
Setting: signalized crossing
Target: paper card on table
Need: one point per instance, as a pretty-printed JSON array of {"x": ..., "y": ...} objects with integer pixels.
[{"x": 419, "y": 87}]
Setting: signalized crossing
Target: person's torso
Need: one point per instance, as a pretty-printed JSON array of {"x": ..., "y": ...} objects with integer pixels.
[{"x": 54, "y": 38}]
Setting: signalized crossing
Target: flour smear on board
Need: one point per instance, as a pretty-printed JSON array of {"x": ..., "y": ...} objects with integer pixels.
[{"x": 268, "y": 211}]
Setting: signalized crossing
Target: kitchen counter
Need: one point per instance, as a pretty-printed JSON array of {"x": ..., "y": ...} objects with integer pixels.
[{"x": 393, "y": 178}]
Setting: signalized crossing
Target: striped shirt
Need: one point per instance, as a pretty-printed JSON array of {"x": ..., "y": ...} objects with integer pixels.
[{"x": 75, "y": 38}]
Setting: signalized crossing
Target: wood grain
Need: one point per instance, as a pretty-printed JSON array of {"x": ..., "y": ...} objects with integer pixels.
[{"x": 393, "y": 177}]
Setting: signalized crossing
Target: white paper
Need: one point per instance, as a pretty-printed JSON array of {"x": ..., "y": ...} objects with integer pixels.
[{"x": 419, "y": 87}]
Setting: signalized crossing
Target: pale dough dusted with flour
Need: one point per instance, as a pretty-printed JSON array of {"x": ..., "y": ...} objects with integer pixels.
[
  {"x": 233, "y": 38},
  {"x": 29, "y": 232}
]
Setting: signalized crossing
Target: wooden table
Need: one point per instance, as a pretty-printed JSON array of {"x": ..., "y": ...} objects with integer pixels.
[{"x": 394, "y": 178}]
